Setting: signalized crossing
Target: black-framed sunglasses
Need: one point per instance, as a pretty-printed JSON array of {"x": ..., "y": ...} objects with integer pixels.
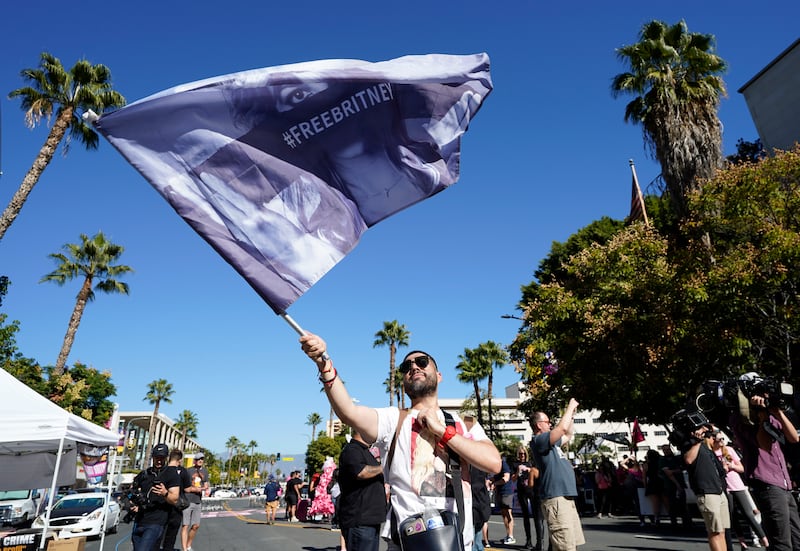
[{"x": 419, "y": 361}]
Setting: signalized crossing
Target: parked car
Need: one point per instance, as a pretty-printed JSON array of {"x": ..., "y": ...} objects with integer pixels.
[
  {"x": 224, "y": 492},
  {"x": 77, "y": 515}
]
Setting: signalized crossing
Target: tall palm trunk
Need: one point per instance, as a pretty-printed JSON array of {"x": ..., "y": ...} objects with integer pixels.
[
  {"x": 392, "y": 352},
  {"x": 34, "y": 173},
  {"x": 478, "y": 401},
  {"x": 150, "y": 431},
  {"x": 489, "y": 398},
  {"x": 72, "y": 326}
]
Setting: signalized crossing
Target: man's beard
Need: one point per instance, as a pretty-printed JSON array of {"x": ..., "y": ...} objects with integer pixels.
[{"x": 421, "y": 388}]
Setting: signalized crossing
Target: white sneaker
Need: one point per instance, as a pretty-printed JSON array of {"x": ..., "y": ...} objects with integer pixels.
[{"x": 509, "y": 540}]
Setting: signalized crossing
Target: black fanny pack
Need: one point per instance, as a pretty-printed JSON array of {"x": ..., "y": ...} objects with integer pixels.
[{"x": 415, "y": 534}]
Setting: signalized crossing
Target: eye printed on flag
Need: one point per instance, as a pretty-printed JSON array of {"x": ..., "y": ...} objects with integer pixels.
[{"x": 282, "y": 169}]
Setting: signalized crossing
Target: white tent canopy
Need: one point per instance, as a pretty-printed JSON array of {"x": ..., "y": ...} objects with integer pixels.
[{"x": 32, "y": 430}]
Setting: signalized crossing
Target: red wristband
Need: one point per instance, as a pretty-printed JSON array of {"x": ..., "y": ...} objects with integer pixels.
[{"x": 449, "y": 433}]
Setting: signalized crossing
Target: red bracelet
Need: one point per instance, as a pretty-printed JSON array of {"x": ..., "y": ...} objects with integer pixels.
[{"x": 329, "y": 381}]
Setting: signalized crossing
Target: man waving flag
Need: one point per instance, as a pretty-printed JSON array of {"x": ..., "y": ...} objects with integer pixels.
[{"x": 282, "y": 169}]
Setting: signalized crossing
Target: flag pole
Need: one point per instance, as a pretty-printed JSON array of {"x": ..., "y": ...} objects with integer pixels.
[
  {"x": 300, "y": 331},
  {"x": 293, "y": 324},
  {"x": 637, "y": 199}
]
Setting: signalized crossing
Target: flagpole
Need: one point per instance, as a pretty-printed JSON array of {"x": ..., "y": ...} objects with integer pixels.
[
  {"x": 638, "y": 191},
  {"x": 293, "y": 324},
  {"x": 300, "y": 331}
]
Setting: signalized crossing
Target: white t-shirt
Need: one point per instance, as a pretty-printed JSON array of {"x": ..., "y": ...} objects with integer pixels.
[{"x": 417, "y": 473}]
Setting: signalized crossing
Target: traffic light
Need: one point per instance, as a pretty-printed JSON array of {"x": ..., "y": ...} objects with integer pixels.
[{"x": 279, "y": 457}]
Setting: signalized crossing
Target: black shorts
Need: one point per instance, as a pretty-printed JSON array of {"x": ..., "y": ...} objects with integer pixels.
[{"x": 291, "y": 499}]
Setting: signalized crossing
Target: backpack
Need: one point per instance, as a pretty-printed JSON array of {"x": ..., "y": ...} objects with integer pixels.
[{"x": 481, "y": 504}]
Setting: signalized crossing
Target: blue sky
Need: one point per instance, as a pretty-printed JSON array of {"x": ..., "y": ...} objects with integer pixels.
[{"x": 547, "y": 154}]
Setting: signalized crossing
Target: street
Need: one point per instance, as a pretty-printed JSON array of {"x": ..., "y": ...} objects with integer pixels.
[{"x": 237, "y": 525}]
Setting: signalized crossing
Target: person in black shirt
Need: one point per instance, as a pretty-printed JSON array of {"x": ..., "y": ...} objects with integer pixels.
[
  {"x": 293, "y": 486},
  {"x": 707, "y": 479},
  {"x": 362, "y": 505},
  {"x": 173, "y": 526},
  {"x": 156, "y": 494}
]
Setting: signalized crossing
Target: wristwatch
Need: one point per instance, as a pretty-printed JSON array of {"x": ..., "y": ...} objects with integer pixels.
[{"x": 449, "y": 432}]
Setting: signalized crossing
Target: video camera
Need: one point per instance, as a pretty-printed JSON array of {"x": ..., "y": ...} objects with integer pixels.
[
  {"x": 719, "y": 399},
  {"x": 684, "y": 424},
  {"x": 139, "y": 494}
]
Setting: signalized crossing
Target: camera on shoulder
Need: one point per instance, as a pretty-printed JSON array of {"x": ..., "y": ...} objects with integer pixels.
[{"x": 684, "y": 424}]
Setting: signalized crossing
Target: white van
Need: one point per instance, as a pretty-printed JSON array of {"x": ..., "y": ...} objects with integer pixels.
[{"x": 19, "y": 507}]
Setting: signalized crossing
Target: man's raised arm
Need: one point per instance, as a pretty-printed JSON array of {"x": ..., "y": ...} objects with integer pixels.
[{"x": 361, "y": 418}]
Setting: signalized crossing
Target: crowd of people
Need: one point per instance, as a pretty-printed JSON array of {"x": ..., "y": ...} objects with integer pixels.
[{"x": 421, "y": 478}]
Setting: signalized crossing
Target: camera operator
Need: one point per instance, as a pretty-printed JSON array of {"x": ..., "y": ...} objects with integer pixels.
[
  {"x": 765, "y": 468},
  {"x": 155, "y": 493},
  {"x": 707, "y": 479}
]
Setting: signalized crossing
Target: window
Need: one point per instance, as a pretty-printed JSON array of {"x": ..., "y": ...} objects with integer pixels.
[
  {"x": 580, "y": 421},
  {"x": 660, "y": 433}
]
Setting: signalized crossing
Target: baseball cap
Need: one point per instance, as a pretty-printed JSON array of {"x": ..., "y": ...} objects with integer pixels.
[
  {"x": 160, "y": 450},
  {"x": 199, "y": 455}
]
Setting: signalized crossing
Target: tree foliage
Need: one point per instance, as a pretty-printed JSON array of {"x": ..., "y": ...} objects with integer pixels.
[
  {"x": 752, "y": 213},
  {"x": 324, "y": 446},
  {"x": 81, "y": 390},
  {"x": 632, "y": 323}
]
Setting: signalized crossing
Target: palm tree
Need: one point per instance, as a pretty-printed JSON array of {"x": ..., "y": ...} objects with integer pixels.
[
  {"x": 313, "y": 420},
  {"x": 473, "y": 368},
  {"x": 51, "y": 88},
  {"x": 94, "y": 260},
  {"x": 674, "y": 75},
  {"x": 187, "y": 425},
  {"x": 492, "y": 356},
  {"x": 392, "y": 335},
  {"x": 271, "y": 459},
  {"x": 252, "y": 445},
  {"x": 398, "y": 388},
  {"x": 157, "y": 391},
  {"x": 232, "y": 444},
  {"x": 240, "y": 449}
]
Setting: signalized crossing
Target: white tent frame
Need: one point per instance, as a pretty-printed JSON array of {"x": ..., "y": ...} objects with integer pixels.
[{"x": 33, "y": 427}]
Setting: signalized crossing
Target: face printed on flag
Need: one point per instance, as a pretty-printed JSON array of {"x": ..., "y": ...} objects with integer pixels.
[{"x": 282, "y": 169}]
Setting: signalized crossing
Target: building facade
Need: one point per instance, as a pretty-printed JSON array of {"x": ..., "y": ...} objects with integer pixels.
[
  {"x": 609, "y": 436},
  {"x": 133, "y": 428},
  {"x": 773, "y": 98}
]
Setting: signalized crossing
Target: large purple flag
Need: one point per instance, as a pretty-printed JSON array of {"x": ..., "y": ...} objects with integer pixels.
[{"x": 282, "y": 169}]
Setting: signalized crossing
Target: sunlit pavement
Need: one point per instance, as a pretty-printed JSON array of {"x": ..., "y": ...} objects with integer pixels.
[{"x": 238, "y": 524}]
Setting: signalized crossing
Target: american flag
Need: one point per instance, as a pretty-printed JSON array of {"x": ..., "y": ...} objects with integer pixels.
[{"x": 638, "y": 212}]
